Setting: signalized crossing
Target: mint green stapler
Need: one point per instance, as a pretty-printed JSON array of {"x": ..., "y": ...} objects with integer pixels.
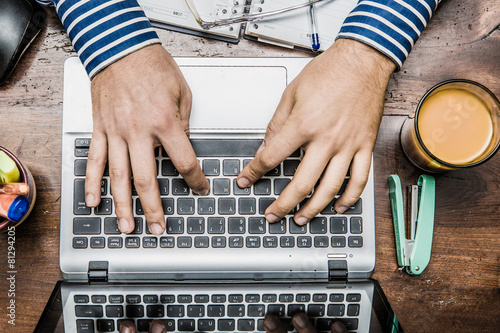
[{"x": 413, "y": 253}]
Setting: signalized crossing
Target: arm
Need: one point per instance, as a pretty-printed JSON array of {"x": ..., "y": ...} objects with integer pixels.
[
  {"x": 140, "y": 100},
  {"x": 334, "y": 107}
]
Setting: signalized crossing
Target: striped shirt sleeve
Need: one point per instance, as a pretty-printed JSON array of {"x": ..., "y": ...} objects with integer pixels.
[
  {"x": 390, "y": 26},
  {"x": 103, "y": 31}
]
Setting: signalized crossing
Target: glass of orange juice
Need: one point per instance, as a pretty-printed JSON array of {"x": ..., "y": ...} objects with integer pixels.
[{"x": 456, "y": 125}]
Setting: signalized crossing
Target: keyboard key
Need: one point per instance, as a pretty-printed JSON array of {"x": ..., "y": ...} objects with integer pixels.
[
  {"x": 356, "y": 225},
  {"x": 175, "y": 225},
  {"x": 353, "y": 310},
  {"x": 286, "y": 298},
  {"x": 247, "y": 206},
  {"x": 320, "y": 298},
  {"x": 81, "y": 299},
  {"x": 336, "y": 298},
  {"x": 252, "y": 241},
  {"x": 92, "y": 311},
  {"x": 287, "y": 241},
  {"x": 155, "y": 311},
  {"x": 252, "y": 298},
  {"x": 82, "y": 143},
  {"x": 276, "y": 309},
  {"x": 324, "y": 324},
  {"x": 206, "y": 325},
  {"x": 211, "y": 167},
  {"x": 264, "y": 203},
  {"x": 318, "y": 225},
  {"x": 221, "y": 186},
  {"x": 226, "y": 325},
  {"x": 295, "y": 228},
  {"x": 240, "y": 191},
  {"x": 218, "y": 242},
  {"x": 168, "y": 168},
  {"x": 97, "y": 243},
  {"x": 175, "y": 311},
  {"x": 81, "y": 152},
  {"x": 227, "y": 206},
  {"x": 269, "y": 298},
  {"x": 316, "y": 310},
  {"x": 236, "y": 241},
  {"x": 218, "y": 298},
  {"x": 164, "y": 299},
  {"x": 353, "y": 298},
  {"x": 304, "y": 241},
  {"x": 290, "y": 166},
  {"x": 280, "y": 184},
  {"x": 274, "y": 172},
  {"x": 235, "y": 298},
  {"x": 201, "y": 298},
  {"x": 278, "y": 227},
  {"x": 206, "y": 206},
  {"x": 86, "y": 225},
  {"x": 338, "y": 241},
  {"x": 230, "y": 167},
  {"x": 111, "y": 226},
  {"x": 85, "y": 326},
  {"x": 186, "y": 325},
  {"x": 262, "y": 187},
  {"x": 105, "y": 325},
  {"x": 295, "y": 308},
  {"x": 115, "y": 242},
  {"x": 133, "y": 299},
  {"x": 236, "y": 225},
  {"x": 355, "y": 209},
  {"x": 303, "y": 298},
  {"x": 246, "y": 325},
  {"x": 105, "y": 207},
  {"x": 338, "y": 225},
  {"x": 179, "y": 187},
  {"x": 201, "y": 242},
  {"x": 355, "y": 241},
  {"x": 80, "y": 167},
  {"x": 216, "y": 225},
  {"x": 115, "y": 299},
  {"x": 167, "y": 205},
  {"x": 256, "y": 310},
  {"x": 149, "y": 242},
  {"x": 163, "y": 185},
  {"x": 114, "y": 311},
  {"x": 185, "y": 206},
  {"x": 139, "y": 226},
  {"x": 195, "y": 311},
  {"x": 215, "y": 310},
  {"x": 80, "y": 242},
  {"x": 167, "y": 242},
  {"x": 132, "y": 242},
  {"x": 184, "y": 242},
  {"x": 321, "y": 241},
  {"x": 270, "y": 241},
  {"x": 195, "y": 225},
  {"x": 257, "y": 225},
  {"x": 336, "y": 310},
  {"x": 236, "y": 310}
]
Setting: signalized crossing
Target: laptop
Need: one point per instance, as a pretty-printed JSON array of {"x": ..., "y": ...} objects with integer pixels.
[{"x": 219, "y": 266}]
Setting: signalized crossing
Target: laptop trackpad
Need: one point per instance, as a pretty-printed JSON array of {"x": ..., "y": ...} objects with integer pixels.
[{"x": 234, "y": 97}]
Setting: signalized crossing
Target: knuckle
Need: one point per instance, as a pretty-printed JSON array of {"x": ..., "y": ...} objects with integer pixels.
[
  {"x": 187, "y": 167},
  {"x": 301, "y": 187},
  {"x": 145, "y": 184}
]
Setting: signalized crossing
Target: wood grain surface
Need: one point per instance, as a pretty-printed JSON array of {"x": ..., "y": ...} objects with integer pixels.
[{"x": 460, "y": 289}]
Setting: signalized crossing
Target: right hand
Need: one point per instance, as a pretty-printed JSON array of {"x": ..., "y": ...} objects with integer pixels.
[
  {"x": 302, "y": 324},
  {"x": 140, "y": 102}
]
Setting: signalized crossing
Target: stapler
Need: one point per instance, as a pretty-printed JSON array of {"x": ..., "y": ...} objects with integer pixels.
[{"x": 414, "y": 253}]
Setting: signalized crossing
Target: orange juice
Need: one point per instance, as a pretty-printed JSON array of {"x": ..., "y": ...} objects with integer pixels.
[{"x": 455, "y": 126}]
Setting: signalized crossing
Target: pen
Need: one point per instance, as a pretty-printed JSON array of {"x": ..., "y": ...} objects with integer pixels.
[
  {"x": 14, "y": 188},
  {"x": 314, "y": 29}
]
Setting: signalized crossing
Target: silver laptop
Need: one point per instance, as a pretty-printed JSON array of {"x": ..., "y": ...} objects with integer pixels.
[{"x": 219, "y": 266}]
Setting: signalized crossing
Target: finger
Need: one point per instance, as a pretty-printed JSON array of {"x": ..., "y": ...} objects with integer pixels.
[
  {"x": 96, "y": 163},
  {"x": 308, "y": 172},
  {"x": 127, "y": 327},
  {"x": 185, "y": 108},
  {"x": 272, "y": 324},
  {"x": 281, "y": 114},
  {"x": 360, "y": 168},
  {"x": 146, "y": 183},
  {"x": 338, "y": 327},
  {"x": 181, "y": 153},
  {"x": 157, "y": 326},
  {"x": 121, "y": 186},
  {"x": 302, "y": 323},
  {"x": 272, "y": 153},
  {"x": 329, "y": 185}
]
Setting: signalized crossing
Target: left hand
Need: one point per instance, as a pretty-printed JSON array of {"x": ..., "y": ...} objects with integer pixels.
[
  {"x": 332, "y": 109},
  {"x": 301, "y": 322}
]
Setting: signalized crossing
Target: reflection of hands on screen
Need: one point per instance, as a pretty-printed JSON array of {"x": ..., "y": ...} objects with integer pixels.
[
  {"x": 300, "y": 321},
  {"x": 332, "y": 109},
  {"x": 140, "y": 102}
]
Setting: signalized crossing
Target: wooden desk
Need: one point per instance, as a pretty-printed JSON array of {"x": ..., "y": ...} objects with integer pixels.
[{"x": 458, "y": 292}]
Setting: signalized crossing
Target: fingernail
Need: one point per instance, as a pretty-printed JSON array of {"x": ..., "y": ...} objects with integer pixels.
[
  {"x": 302, "y": 220},
  {"x": 300, "y": 321},
  {"x": 90, "y": 200},
  {"x": 243, "y": 182},
  {"x": 124, "y": 226},
  {"x": 270, "y": 323},
  {"x": 155, "y": 228},
  {"x": 338, "y": 327},
  {"x": 272, "y": 218},
  {"x": 341, "y": 209}
]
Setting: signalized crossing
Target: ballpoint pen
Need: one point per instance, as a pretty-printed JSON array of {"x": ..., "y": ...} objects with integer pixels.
[{"x": 314, "y": 29}]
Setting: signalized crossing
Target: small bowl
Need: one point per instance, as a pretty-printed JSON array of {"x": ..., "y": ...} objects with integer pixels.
[{"x": 26, "y": 177}]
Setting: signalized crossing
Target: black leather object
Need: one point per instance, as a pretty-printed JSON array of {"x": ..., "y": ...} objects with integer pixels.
[{"x": 20, "y": 23}]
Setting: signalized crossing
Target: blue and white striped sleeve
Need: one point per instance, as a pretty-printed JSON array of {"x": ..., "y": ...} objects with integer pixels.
[
  {"x": 390, "y": 26},
  {"x": 103, "y": 31}
]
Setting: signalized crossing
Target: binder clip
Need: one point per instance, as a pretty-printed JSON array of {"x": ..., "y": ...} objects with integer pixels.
[{"x": 413, "y": 253}]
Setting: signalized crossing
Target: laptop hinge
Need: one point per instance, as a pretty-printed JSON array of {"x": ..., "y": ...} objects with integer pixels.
[
  {"x": 98, "y": 271},
  {"x": 337, "y": 271}
]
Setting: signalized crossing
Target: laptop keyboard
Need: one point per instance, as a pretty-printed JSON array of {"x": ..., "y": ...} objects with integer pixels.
[
  {"x": 229, "y": 216},
  {"x": 217, "y": 311}
]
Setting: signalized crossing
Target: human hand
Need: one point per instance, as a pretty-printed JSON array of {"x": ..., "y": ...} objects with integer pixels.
[
  {"x": 156, "y": 326},
  {"x": 332, "y": 109},
  {"x": 140, "y": 102},
  {"x": 301, "y": 322}
]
